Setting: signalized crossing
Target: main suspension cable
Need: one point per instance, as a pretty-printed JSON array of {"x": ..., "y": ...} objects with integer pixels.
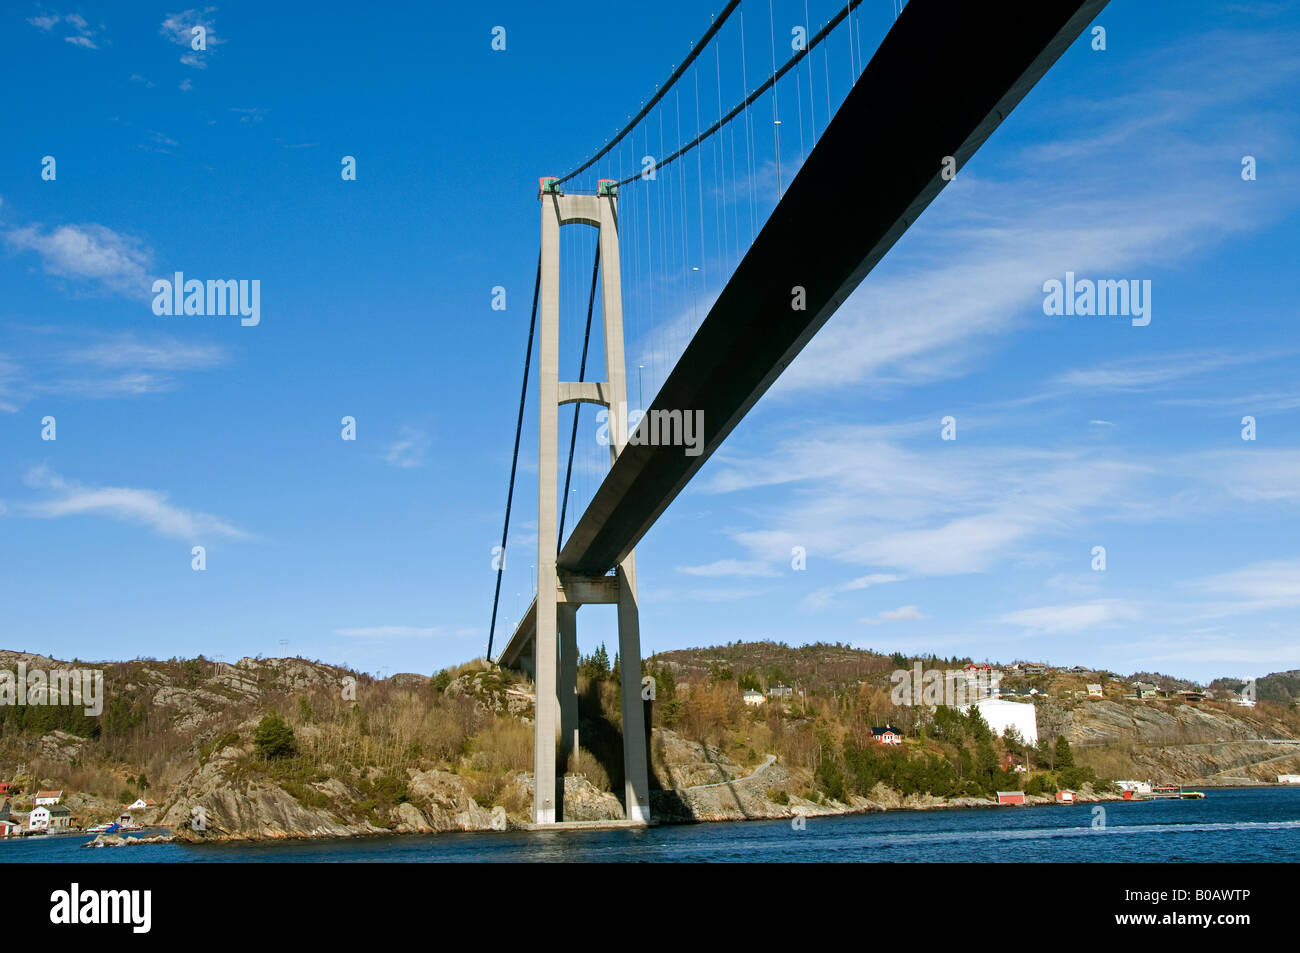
[
  {"x": 660, "y": 93},
  {"x": 514, "y": 462}
]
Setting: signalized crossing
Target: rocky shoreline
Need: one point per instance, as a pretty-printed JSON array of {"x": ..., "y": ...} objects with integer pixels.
[{"x": 478, "y": 819}]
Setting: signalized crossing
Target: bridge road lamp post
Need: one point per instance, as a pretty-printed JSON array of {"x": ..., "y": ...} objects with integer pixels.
[{"x": 560, "y": 594}]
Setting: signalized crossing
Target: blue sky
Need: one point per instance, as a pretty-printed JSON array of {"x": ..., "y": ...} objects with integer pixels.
[{"x": 1072, "y": 432}]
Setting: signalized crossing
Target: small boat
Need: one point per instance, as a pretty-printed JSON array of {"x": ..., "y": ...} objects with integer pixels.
[{"x": 104, "y": 828}]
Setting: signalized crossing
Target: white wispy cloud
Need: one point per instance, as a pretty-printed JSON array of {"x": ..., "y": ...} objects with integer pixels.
[
  {"x": 1073, "y": 618},
  {"x": 115, "y": 261},
  {"x": 929, "y": 511},
  {"x": 135, "y": 384},
  {"x": 1250, "y": 473},
  {"x": 162, "y": 353},
  {"x": 390, "y": 632},
  {"x": 100, "y": 367},
  {"x": 729, "y": 567},
  {"x": 179, "y": 29},
  {"x": 1260, "y": 586},
  {"x": 821, "y": 598},
  {"x": 149, "y": 508},
  {"x": 972, "y": 269},
  {"x": 82, "y": 34},
  {"x": 1145, "y": 373},
  {"x": 408, "y": 450},
  {"x": 901, "y": 614}
]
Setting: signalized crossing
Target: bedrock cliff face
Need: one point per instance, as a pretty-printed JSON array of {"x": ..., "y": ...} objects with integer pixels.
[
  {"x": 217, "y": 803},
  {"x": 1181, "y": 744}
]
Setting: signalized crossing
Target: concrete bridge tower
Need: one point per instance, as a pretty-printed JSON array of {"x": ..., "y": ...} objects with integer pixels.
[{"x": 560, "y": 594}]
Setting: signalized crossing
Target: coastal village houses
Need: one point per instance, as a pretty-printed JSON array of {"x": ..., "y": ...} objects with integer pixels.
[
  {"x": 46, "y": 798},
  {"x": 53, "y": 817}
]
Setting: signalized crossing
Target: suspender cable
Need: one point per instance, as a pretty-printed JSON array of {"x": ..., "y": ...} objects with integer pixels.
[
  {"x": 514, "y": 462},
  {"x": 663, "y": 91},
  {"x": 582, "y": 376},
  {"x": 771, "y": 81}
]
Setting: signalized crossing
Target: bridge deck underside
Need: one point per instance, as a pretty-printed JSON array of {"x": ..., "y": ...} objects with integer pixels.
[{"x": 940, "y": 83}]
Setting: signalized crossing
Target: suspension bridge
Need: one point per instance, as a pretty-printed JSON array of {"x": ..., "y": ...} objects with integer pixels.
[{"x": 741, "y": 239}]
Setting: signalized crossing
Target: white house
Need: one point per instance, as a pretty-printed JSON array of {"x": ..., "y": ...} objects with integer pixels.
[
  {"x": 39, "y": 819},
  {"x": 752, "y": 698},
  {"x": 887, "y": 735},
  {"x": 10, "y": 828},
  {"x": 1137, "y": 787},
  {"x": 140, "y": 804},
  {"x": 1001, "y": 715},
  {"x": 1288, "y": 779},
  {"x": 48, "y": 797}
]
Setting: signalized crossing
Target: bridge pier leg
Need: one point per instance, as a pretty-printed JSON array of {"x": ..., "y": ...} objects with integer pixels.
[
  {"x": 545, "y": 801},
  {"x": 636, "y": 781},
  {"x": 568, "y": 625}
]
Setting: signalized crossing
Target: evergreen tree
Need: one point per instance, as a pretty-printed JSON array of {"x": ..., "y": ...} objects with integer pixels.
[
  {"x": 1013, "y": 740},
  {"x": 1045, "y": 754},
  {"x": 978, "y": 727},
  {"x": 986, "y": 761},
  {"x": 1064, "y": 756},
  {"x": 274, "y": 738}
]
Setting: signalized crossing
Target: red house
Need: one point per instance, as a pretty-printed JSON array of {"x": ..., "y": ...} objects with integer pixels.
[
  {"x": 887, "y": 735},
  {"x": 1064, "y": 797},
  {"x": 1011, "y": 797}
]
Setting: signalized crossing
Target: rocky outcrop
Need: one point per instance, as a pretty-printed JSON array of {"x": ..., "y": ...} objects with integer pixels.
[
  {"x": 1108, "y": 722},
  {"x": 1179, "y": 744},
  {"x": 681, "y": 763},
  {"x": 113, "y": 840},
  {"x": 61, "y": 746},
  {"x": 491, "y": 693},
  {"x": 583, "y": 801},
  {"x": 215, "y": 803}
]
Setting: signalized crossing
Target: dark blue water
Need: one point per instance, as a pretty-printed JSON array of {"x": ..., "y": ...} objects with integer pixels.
[{"x": 1244, "y": 824}]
